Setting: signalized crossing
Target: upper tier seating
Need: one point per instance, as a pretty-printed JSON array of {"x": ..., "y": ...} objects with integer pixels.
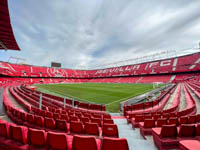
[{"x": 173, "y": 65}]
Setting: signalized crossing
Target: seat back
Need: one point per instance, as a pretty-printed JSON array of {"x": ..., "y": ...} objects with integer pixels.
[
  {"x": 183, "y": 120},
  {"x": 139, "y": 118},
  {"x": 168, "y": 131},
  {"x": 165, "y": 116},
  {"x": 96, "y": 120},
  {"x": 173, "y": 121},
  {"x": 161, "y": 121},
  {"x": 108, "y": 121},
  {"x": 76, "y": 127},
  {"x": 39, "y": 120},
  {"x": 64, "y": 117},
  {"x": 114, "y": 143},
  {"x": 92, "y": 128},
  {"x": 36, "y": 137},
  {"x": 187, "y": 130},
  {"x": 50, "y": 123},
  {"x": 107, "y": 116},
  {"x": 24, "y": 116},
  {"x": 49, "y": 114},
  {"x": 81, "y": 142},
  {"x": 84, "y": 119},
  {"x": 4, "y": 129},
  {"x": 172, "y": 115},
  {"x": 56, "y": 116},
  {"x": 18, "y": 133},
  {"x": 61, "y": 125},
  {"x": 147, "y": 117},
  {"x": 110, "y": 130},
  {"x": 156, "y": 116},
  {"x": 149, "y": 123},
  {"x": 192, "y": 119},
  {"x": 31, "y": 118},
  {"x": 57, "y": 140},
  {"x": 73, "y": 118}
]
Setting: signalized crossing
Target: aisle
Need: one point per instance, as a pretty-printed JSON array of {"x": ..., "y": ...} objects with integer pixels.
[{"x": 135, "y": 140}]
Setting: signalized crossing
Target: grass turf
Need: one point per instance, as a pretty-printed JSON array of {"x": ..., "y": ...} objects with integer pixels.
[{"x": 100, "y": 93}]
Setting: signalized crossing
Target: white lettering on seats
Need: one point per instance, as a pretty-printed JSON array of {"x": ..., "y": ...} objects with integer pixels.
[
  {"x": 194, "y": 65},
  {"x": 165, "y": 63}
]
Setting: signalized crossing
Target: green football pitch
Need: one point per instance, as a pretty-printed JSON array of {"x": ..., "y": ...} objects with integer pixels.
[{"x": 100, "y": 93}]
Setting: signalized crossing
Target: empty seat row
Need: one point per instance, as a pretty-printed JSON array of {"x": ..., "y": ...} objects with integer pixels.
[
  {"x": 23, "y": 138},
  {"x": 168, "y": 136},
  {"x": 75, "y": 126},
  {"x": 54, "y": 110},
  {"x": 171, "y": 120},
  {"x": 148, "y": 106}
]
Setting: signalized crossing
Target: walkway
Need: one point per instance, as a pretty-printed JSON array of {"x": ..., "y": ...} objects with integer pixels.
[
  {"x": 171, "y": 100},
  {"x": 15, "y": 103},
  {"x": 135, "y": 140},
  {"x": 182, "y": 105}
]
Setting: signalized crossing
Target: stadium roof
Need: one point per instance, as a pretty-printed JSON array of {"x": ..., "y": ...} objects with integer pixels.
[{"x": 7, "y": 39}]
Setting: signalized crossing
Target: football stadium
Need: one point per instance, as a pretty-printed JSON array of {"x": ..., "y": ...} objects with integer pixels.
[{"x": 86, "y": 75}]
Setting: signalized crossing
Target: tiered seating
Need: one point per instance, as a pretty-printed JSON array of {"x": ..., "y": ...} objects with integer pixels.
[
  {"x": 69, "y": 121},
  {"x": 148, "y": 107},
  {"x": 38, "y": 136},
  {"x": 173, "y": 65},
  {"x": 23, "y": 138},
  {"x": 169, "y": 136}
]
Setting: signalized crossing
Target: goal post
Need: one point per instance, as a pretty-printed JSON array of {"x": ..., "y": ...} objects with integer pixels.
[{"x": 156, "y": 84}]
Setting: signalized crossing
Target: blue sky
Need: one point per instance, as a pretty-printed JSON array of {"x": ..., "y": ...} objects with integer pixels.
[{"x": 94, "y": 32}]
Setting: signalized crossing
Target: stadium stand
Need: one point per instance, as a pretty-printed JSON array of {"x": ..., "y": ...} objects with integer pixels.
[{"x": 89, "y": 126}]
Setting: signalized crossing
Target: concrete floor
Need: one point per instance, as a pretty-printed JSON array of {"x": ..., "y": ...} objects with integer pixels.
[{"x": 135, "y": 140}]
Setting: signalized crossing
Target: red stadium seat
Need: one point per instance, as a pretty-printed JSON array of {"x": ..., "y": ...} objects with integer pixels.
[
  {"x": 39, "y": 120},
  {"x": 110, "y": 130},
  {"x": 76, "y": 127},
  {"x": 18, "y": 135},
  {"x": 165, "y": 137},
  {"x": 96, "y": 120},
  {"x": 4, "y": 134},
  {"x": 56, "y": 116},
  {"x": 31, "y": 118},
  {"x": 37, "y": 139},
  {"x": 187, "y": 130},
  {"x": 108, "y": 121},
  {"x": 192, "y": 119},
  {"x": 92, "y": 129},
  {"x": 81, "y": 142},
  {"x": 57, "y": 141},
  {"x": 183, "y": 120},
  {"x": 161, "y": 121},
  {"x": 24, "y": 116},
  {"x": 173, "y": 121},
  {"x": 114, "y": 143},
  {"x": 84, "y": 119},
  {"x": 64, "y": 117},
  {"x": 49, "y": 114},
  {"x": 135, "y": 121},
  {"x": 50, "y": 123},
  {"x": 61, "y": 125},
  {"x": 145, "y": 127}
]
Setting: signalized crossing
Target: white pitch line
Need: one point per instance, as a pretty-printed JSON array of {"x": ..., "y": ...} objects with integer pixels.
[
  {"x": 69, "y": 96},
  {"x": 126, "y": 98}
]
